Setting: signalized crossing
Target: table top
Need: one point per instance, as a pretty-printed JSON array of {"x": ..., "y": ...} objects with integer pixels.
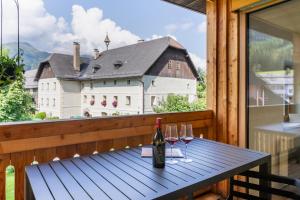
[{"x": 124, "y": 174}]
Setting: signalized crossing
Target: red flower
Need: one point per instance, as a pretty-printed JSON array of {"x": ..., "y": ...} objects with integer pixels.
[
  {"x": 92, "y": 102},
  {"x": 115, "y": 103},
  {"x": 103, "y": 103}
]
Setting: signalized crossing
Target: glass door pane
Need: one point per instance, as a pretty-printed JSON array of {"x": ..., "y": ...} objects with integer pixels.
[{"x": 274, "y": 85}]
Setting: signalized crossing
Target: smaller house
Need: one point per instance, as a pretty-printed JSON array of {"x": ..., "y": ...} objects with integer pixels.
[{"x": 31, "y": 85}]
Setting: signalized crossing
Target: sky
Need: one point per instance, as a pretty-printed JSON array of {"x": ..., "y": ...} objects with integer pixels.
[{"x": 53, "y": 25}]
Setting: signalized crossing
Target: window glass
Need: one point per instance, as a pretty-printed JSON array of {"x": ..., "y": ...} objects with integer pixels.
[
  {"x": 273, "y": 85},
  {"x": 128, "y": 100}
]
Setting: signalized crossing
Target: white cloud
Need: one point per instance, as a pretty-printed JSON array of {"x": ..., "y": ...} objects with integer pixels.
[
  {"x": 155, "y": 36},
  {"x": 198, "y": 62},
  {"x": 202, "y": 27},
  {"x": 170, "y": 28},
  {"x": 46, "y": 32}
]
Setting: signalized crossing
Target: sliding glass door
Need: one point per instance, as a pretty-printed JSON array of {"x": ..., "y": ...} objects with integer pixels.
[{"x": 273, "y": 85}]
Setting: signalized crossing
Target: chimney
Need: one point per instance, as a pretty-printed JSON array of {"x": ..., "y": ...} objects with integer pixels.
[
  {"x": 76, "y": 56},
  {"x": 96, "y": 54}
]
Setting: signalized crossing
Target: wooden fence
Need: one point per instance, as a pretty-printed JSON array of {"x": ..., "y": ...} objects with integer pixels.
[{"x": 23, "y": 143}]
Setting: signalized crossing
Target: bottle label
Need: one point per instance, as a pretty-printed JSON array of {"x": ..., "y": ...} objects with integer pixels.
[{"x": 159, "y": 154}]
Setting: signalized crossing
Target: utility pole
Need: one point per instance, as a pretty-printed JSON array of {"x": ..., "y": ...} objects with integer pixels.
[
  {"x": 18, "y": 10},
  {"x": 1, "y": 28}
]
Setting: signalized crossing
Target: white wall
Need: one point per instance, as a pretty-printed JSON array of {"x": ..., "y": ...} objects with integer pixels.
[
  {"x": 69, "y": 95},
  {"x": 166, "y": 85},
  {"x": 121, "y": 90},
  {"x": 70, "y": 98},
  {"x": 50, "y": 93}
]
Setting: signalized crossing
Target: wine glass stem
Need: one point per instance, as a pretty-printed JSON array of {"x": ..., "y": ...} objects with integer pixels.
[
  {"x": 185, "y": 151},
  {"x": 171, "y": 152}
]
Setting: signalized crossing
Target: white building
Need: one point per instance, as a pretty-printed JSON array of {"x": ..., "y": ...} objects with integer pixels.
[{"x": 127, "y": 80}]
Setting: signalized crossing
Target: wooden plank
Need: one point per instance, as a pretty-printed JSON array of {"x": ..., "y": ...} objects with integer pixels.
[
  {"x": 10, "y": 131},
  {"x": 19, "y": 161},
  {"x": 233, "y": 78},
  {"x": 239, "y": 4},
  {"x": 4, "y": 162},
  {"x": 77, "y": 138}
]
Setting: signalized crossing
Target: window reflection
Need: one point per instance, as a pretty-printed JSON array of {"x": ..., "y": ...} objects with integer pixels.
[{"x": 274, "y": 85}]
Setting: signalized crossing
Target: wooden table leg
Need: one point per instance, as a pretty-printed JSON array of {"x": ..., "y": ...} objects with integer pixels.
[
  {"x": 28, "y": 195},
  {"x": 265, "y": 169}
]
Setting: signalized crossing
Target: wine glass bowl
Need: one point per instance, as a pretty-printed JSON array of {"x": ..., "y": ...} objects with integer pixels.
[
  {"x": 171, "y": 137},
  {"x": 186, "y": 136}
]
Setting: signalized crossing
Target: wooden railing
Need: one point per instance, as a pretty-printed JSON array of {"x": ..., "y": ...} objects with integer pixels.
[{"x": 23, "y": 143}]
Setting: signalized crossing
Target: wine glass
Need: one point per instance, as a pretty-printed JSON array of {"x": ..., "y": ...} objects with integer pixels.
[
  {"x": 186, "y": 135},
  {"x": 171, "y": 136}
]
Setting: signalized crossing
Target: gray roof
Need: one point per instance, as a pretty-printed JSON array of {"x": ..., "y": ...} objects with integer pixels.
[
  {"x": 62, "y": 66},
  {"x": 30, "y": 83},
  {"x": 135, "y": 61}
]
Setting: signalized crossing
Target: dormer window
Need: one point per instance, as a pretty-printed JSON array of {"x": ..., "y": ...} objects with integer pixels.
[
  {"x": 118, "y": 63},
  {"x": 96, "y": 68}
]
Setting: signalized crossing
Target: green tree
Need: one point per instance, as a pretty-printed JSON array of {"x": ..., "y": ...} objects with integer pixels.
[
  {"x": 201, "y": 86},
  {"x": 16, "y": 104},
  {"x": 9, "y": 70},
  {"x": 178, "y": 103}
]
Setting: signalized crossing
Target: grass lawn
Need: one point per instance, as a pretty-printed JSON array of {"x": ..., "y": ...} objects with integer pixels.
[{"x": 10, "y": 184}]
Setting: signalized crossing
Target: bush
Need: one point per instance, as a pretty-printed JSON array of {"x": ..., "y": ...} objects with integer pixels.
[
  {"x": 10, "y": 170},
  {"x": 41, "y": 115},
  {"x": 52, "y": 118}
]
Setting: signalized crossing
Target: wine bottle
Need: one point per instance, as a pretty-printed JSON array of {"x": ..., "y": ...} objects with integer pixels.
[{"x": 158, "y": 147}]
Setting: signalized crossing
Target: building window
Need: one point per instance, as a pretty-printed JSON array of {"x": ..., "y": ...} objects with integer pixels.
[
  {"x": 128, "y": 100},
  {"x": 170, "y": 64},
  {"x": 42, "y": 101},
  {"x": 54, "y": 86},
  {"x": 47, "y": 102},
  {"x": 115, "y": 82},
  {"x": 153, "y": 83},
  {"x": 92, "y": 102},
  {"x": 82, "y": 86},
  {"x": 47, "y": 86},
  {"x": 104, "y": 114},
  {"x": 42, "y": 86},
  {"x": 84, "y": 99},
  {"x": 104, "y": 82},
  {"x": 103, "y": 102},
  {"x": 115, "y": 102},
  {"x": 177, "y": 65},
  {"x": 54, "y": 102},
  {"x": 128, "y": 82},
  {"x": 91, "y": 85},
  {"x": 153, "y": 101}
]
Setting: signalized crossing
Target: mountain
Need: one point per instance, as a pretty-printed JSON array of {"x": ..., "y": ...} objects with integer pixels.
[{"x": 31, "y": 56}]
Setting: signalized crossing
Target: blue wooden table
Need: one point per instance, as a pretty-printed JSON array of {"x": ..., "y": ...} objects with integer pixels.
[{"x": 124, "y": 174}]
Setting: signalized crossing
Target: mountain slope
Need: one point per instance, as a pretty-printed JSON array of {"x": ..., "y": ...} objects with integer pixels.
[{"x": 31, "y": 56}]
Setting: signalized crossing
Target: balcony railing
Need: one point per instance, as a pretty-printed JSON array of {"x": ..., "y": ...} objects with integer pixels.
[{"x": 23, "y": 143}]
